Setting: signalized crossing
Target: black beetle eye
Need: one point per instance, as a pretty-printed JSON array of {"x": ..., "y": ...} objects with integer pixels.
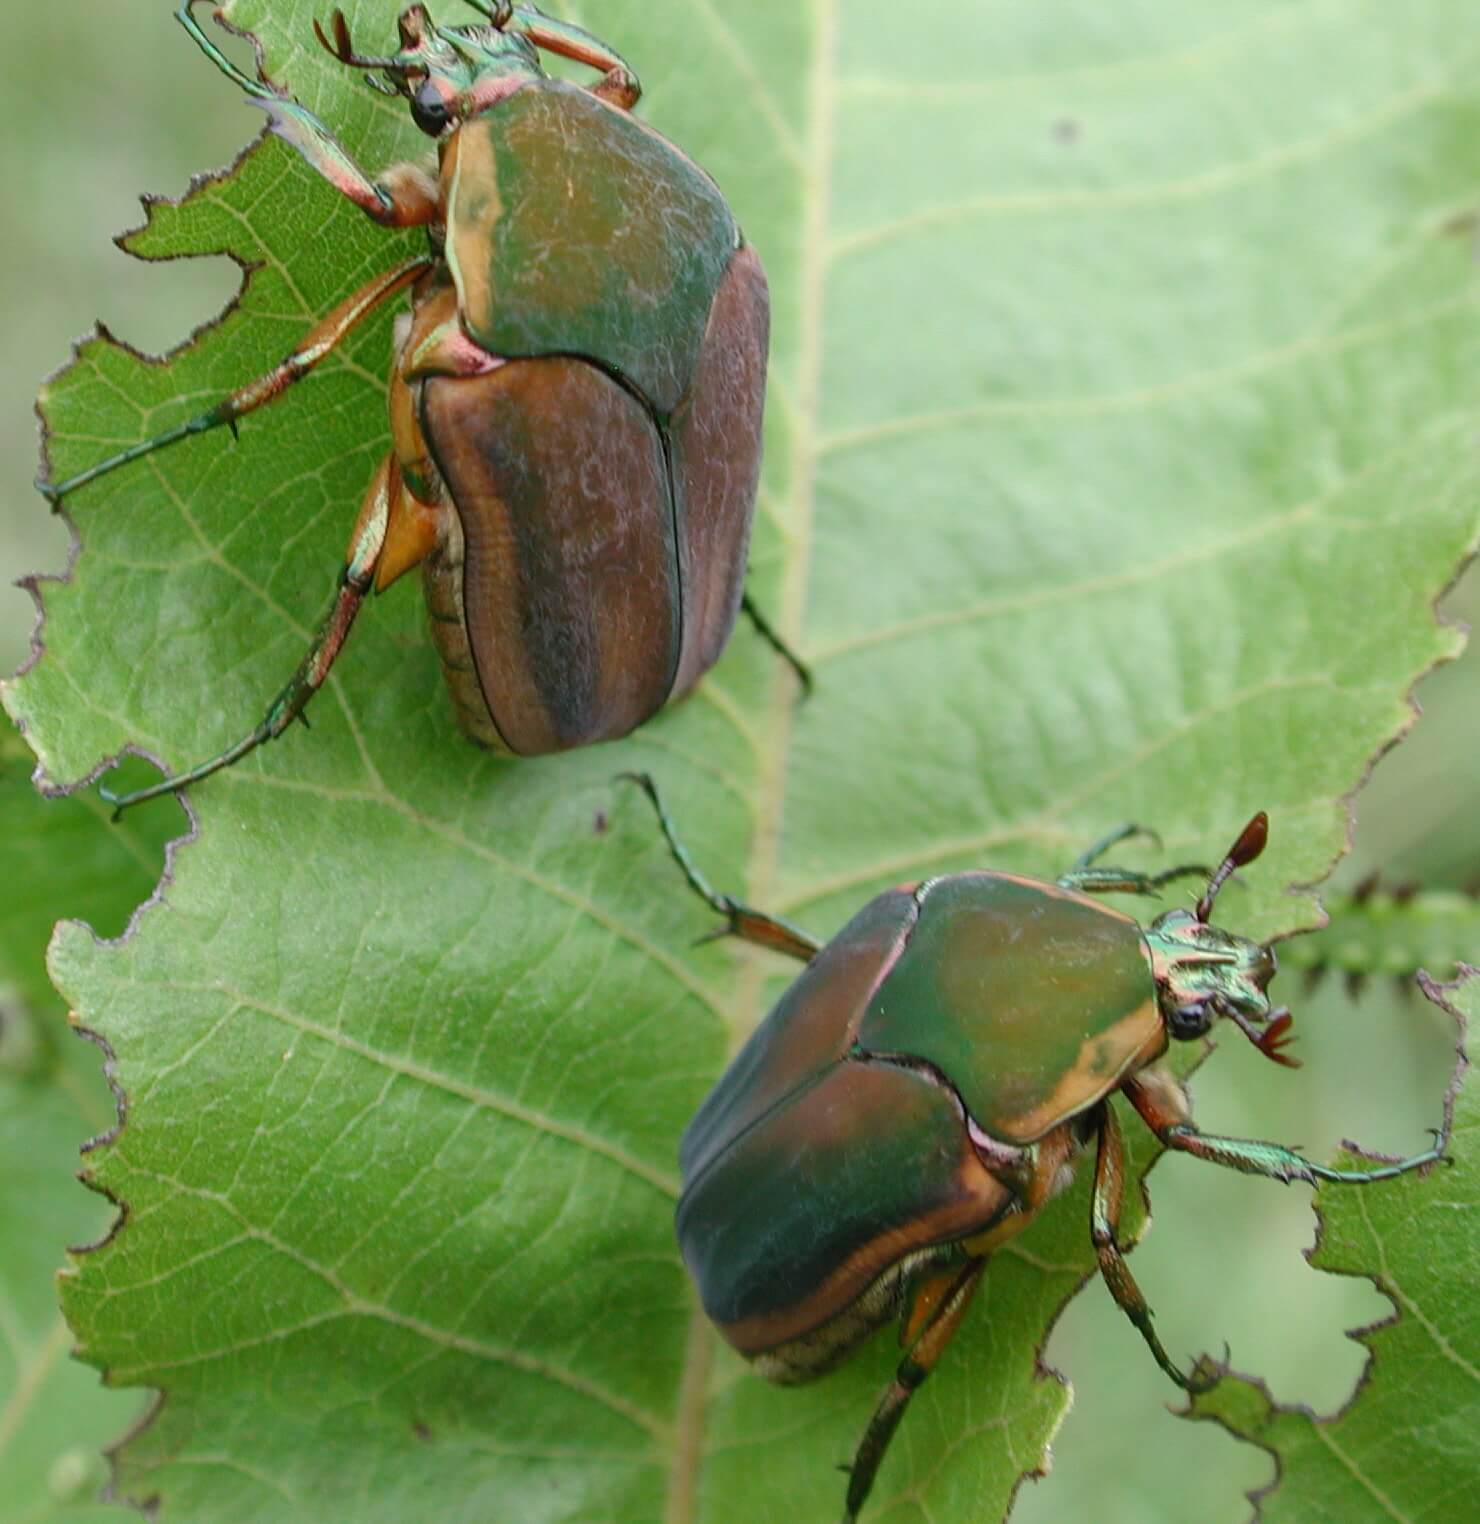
[
  {"x": 1188, "y": 1021},
  {"x": 428, "y": 109}
]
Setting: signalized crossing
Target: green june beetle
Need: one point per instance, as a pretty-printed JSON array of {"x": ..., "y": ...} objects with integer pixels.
[
  {"x": 576, "y": 396},
  {"x": 925, "y": 1088}
]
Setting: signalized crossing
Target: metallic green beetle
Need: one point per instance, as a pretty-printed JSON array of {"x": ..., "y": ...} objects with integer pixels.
[
  {"x": 575, "y": 405},
  {"x": 923, "y": 1090}
]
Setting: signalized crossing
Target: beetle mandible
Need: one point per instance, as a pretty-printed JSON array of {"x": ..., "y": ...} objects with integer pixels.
[
  {"x": 923, "y": 1089},
  {"x": 575, "y": 403}
]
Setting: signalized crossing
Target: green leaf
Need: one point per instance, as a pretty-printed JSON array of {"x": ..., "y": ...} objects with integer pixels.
[
  {"x": 1408, "y": 1444},
  {"x": 1376, "y": 931},
  {"x": 1115, "y": 365},
  {"x": 55, "y": 1417}
]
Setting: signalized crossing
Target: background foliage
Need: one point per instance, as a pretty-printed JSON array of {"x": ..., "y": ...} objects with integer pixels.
[
  {"x": 1408, "y": 1447},
  {"x": 55, "y": 1418},
  {"x": 1119, "y": 442}
]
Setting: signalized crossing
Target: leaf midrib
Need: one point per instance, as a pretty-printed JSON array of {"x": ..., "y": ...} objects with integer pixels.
[{"x": 761, "y": 877}]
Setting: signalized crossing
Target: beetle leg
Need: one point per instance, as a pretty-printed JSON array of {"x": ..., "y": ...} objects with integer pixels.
[
  {"x": 1088, "y": 879},
  {"x": 355, "y": 581},
  {"x": 940, "y": 1325},
  {"x": 1105, "y": 1205},
  {"x": 1126, "y": 880},
  {"x": 1252, "y": 1157},
  {"x": 767, "y": 632},
  {"x": 395, "y": 203},
  {"x": 320, "y": 342},
  {"x": 618, "y": 85},
  {"x": 741, "y": 921},
  {"x": 1111, "y": 839}
]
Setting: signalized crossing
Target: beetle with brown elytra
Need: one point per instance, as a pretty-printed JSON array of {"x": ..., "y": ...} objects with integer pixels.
[{"x": 576, "y": 399}]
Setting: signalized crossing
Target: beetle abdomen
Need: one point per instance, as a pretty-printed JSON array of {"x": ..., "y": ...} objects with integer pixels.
[
  {"x": 824, "y": 1348},
  {"x": 570, "y": 572},
  {"x": 573, "y": 228}
]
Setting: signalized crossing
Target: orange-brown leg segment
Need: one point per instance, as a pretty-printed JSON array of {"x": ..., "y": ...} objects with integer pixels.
[
  {"x": 740, "y": 920},
  {"x": 1109, "y": 1192},
  {"x": 618, "y": 86},
  {"x": 385, "y": 500},
  {"x": 411, "y": 535},
  {"x": 947, "y": 1305},
  {"x": 320, "y": 342}
]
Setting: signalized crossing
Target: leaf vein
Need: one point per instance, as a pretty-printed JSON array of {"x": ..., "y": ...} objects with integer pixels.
[{"x": 1211, "y": 182}]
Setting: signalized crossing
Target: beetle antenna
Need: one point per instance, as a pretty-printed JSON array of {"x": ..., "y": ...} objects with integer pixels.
[
  {"x": 343, "y": 49},
  {"x": 1250, "y": 844}
]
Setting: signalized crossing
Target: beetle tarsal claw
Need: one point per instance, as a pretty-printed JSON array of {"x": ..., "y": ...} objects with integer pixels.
[{"x": 1440, "y": 1136}]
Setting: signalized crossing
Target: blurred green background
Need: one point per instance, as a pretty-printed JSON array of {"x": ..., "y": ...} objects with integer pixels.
[{"x": 106, "y": 102}]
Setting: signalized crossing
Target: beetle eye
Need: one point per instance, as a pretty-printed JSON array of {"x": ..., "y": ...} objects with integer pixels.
[
  {"x": 428, "y": 109},
  {"x": 1188, "y": 1021}
]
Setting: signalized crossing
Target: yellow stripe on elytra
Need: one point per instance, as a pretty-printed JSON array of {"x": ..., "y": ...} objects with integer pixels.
[{"x": 475, "y": 295}]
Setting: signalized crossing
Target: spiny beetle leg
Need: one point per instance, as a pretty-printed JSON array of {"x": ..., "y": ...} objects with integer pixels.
[
  {"x": 1084, "y": 877},
  {"x": 393, "y": 206},
  {"x": 320, "y": 342},
  {"x": 217, "y": 57},
  {"x": 939, "y": 1328},
  {"x": 1249, "y": 1155},
  {"x": 740, "y": 920},
  {"x": 1111, "y": 839},
  {"x": 767, "y": 632},
  {"x": 355, "y": 581},
  {"x": 1109, "y": 1192},
  {"x": 1126, "y": 880}
]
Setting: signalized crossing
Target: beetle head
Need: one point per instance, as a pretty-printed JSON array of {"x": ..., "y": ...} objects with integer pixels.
[
  {"x": 447, "y": 73},
  {"x": 1203, "y": 972}
]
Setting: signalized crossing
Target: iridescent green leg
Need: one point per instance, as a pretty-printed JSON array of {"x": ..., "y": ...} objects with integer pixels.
[
  {"x": 767, "y": 632},
  {"x": 400, "y": 205},
  {"x": 740, "y": 920},
  {"x": 927, "y": 1349},
  {"x": 1252, "y": 1157},
  {"x": 1112, "y": 839},
  {"x": 1109, "y": 1192},
  {"x": 355, "y": 581},
  {"x": 320, "y": 342},
  {"x": 1125, "y": 880},
  {"x": 1090, "y": 880}
]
